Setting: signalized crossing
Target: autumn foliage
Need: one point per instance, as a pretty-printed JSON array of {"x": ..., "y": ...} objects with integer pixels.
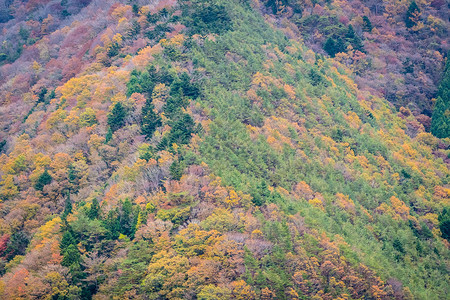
[{"x": 213, "y": 150}]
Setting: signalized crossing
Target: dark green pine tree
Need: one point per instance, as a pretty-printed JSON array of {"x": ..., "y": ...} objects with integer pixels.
[
  {"x": 411, "y": 15},
  {"x": 116, "y": 118},
  {"x": 354, "y": 39},
  {"x": 330, "y": 47},
  {"x": 2, "y": 145},
  {"x": 444, "y": 223},
  {"x": 112, "y": 224},
  {"x": 66, "y": 240},
  {"x": 135, "y": 9},
  {"x": 126, "y": 219},
  {"x": 149, "y": 119},
  {"x": 17, "y": 244},
  {"x": 340, "y": 45},
  {"x": 260, "y": 193},
  {"x": 398, "y": 245},
  {"x": 94, "y": 210},
  {"x": 182, "y": 130},
  {"x": 52, "y": 95},
  {"x": 72, "y": 174},
  {"x": 67, "y": 207},
  {"x": 316, "y": 77},
  {"x": 109, "y": 135},
  {"x": 147, "y": 84},
  {"x": 276, "y": 4},
  {"x": 71, "y": 256},
  {"x": 440, "y": 120},
  {"x": 367, "y": 25},
  {"x": 43, "y": 180},
  {"x": 176, "y": 170},
  {"x": 190, "y": 90},
  {"x": 350, "y": 32},
  {"x": 133, "y": 85},
  {"x": 41, "y": 96}
]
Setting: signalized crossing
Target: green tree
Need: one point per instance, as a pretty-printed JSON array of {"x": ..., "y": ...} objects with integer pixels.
[
  {"x": 354, "y": 39},
  {"x": 71, "y": 257},
  {"x": 398, "y": 245},
  {"x": 24, "y": 33},
  {"x": 67, "y": 206},
  {"x": 207, "y": 18},
  {"x": 73, "y": 179},
  {"x": 147, "y": 82},
  {"x": 182, "y": 130},
  {"x": 190, "y": 90},
  {"x": 52, "y": 95},
  {"x": 94, "y": 210},
  {"x": 333, "y": 46},
  {"x": 135, "y": 8},
  {"x": 113, "y": 49},
  {"x": 134, "y": 30},
  {"x": 2, "y": 145},
  {"x": 411, "y": 15},
  {"x": 127, "y": 220},
  {"x": 367, "y": 25},
  {"x": 116, "y": 119},
  {"x": 133, "y": 85},
  {"x": 440, "y": 120},
  {"x": 276, "y": 5},
  {"x": 66, "y": 240},
  {"x": 330, "y": 47},
  {"x": 176, "y": 170},
  {"x": 444, "y": 223},
  {"x": 109, "y": 135},
  {"x": 43, "y": 180},
  {"x": 149, "y": 119},
  {"x": 426, "y": 232},
  {"x": 112, "y": 224},
  {"x": 17, "y": 244},
  {"x": 316, "y": 77},
  {"x": 41, "y": 95},
  {"x": 260, "y": 193}
]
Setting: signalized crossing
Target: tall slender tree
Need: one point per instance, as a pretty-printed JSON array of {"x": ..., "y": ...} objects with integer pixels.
[
  {"x": 149, "y": 119},
  {"x": 440, "y": 121}
]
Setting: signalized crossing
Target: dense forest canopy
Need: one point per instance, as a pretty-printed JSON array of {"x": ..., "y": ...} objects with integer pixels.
[{"x": 236, "y": 149}]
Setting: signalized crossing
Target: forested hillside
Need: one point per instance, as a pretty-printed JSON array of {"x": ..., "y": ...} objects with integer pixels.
[
  {"x": 395, "y": 48},
  {"x": 224, "y": 150}
]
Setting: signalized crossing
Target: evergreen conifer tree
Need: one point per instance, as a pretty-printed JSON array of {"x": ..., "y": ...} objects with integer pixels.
[
  {"x": 116, "y": 119},
  {"x": 94, "y": 210},
  {"x": 149, "y": 119},
  {"x": 440, "y": 121},
  {"x": 71, "y": 256},
  {"x": 411, "y": 15},
  {"x": 43, "y": 180},
  {"x": 354, "y": 39},
  {"x": 367, "y": 25},
  {"x": 330, "y": 47},
  {"x": 66, "y": 240}
]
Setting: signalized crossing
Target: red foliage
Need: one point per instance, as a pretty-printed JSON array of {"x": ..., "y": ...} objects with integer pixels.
[{"x": 3, "y": 243}]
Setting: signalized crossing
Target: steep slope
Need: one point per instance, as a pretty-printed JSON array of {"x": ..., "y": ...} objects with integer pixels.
[
  {"x": 198, "y": 153},
  {"x": 395, "y": 48}
]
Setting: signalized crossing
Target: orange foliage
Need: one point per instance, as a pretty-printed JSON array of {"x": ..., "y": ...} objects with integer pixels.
[{"x": 145, "y": 56}]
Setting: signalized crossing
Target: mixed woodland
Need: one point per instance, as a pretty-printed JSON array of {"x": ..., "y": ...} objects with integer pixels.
[{"x": 212, "y": 149}]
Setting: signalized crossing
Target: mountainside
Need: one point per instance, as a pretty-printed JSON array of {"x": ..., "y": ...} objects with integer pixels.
[
  {"x": 395, "y": 48},
  {"x": 224, "y": 150}
]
